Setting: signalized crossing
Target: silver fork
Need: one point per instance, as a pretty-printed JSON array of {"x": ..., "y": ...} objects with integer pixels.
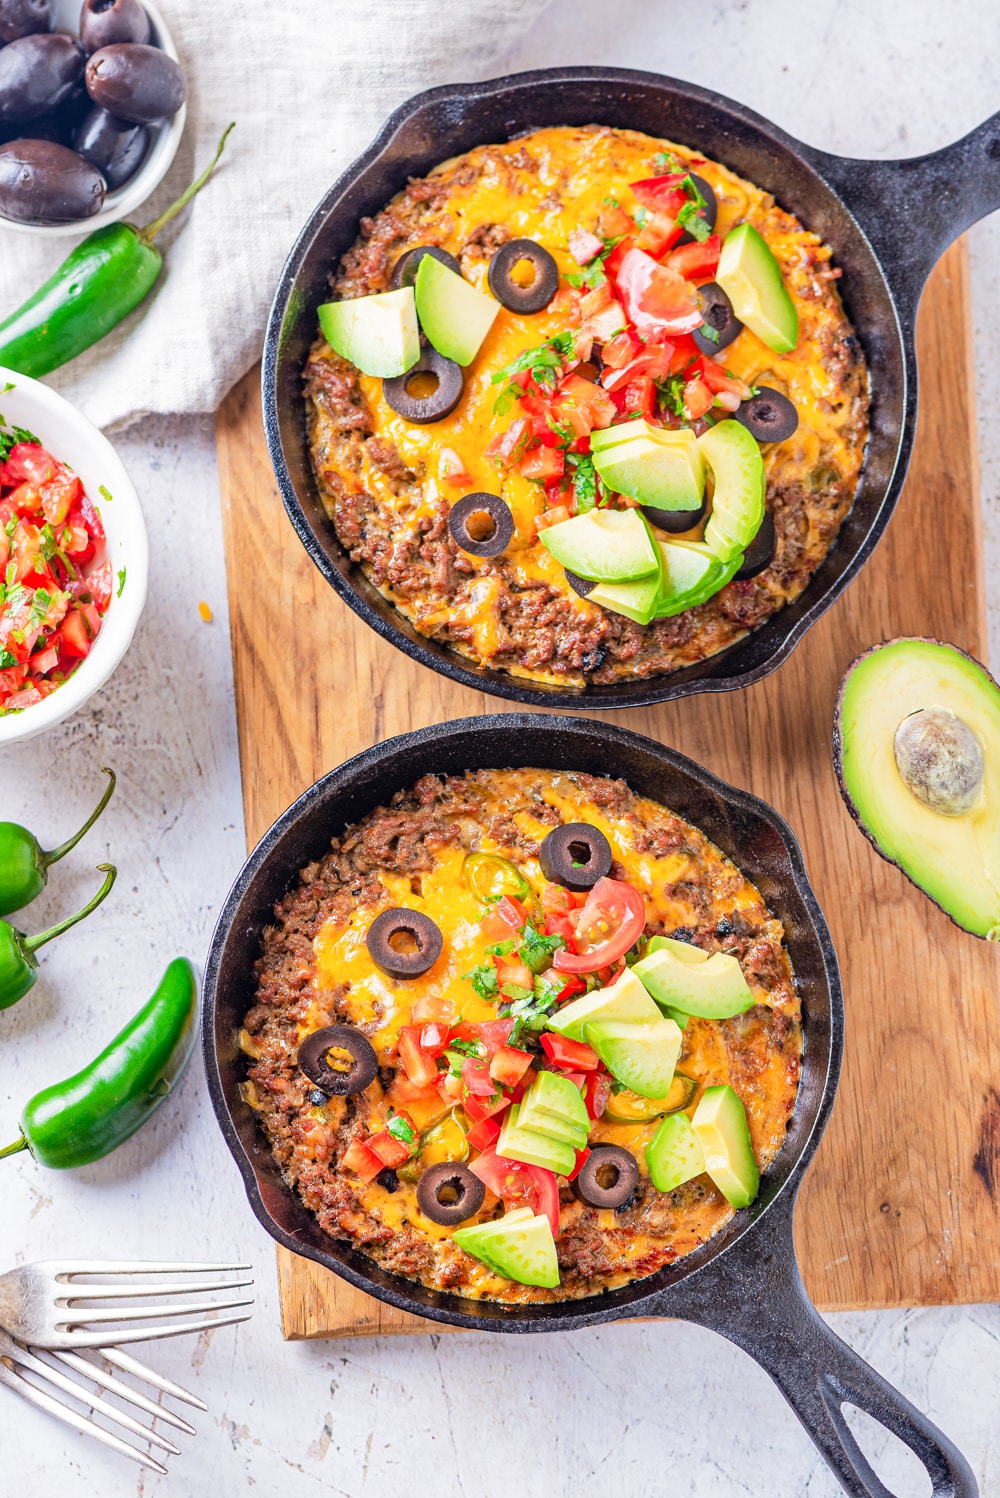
[{"x": 52, "y": 1304}]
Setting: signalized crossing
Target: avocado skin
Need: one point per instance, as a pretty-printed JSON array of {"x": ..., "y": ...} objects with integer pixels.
[{"x": 837, "y": 746}]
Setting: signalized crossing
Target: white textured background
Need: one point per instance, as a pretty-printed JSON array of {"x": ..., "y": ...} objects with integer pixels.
[{"x": 637, "y": 1411}]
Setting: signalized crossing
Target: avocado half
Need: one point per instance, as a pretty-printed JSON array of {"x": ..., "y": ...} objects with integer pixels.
[{"x": 954, "y": 859}]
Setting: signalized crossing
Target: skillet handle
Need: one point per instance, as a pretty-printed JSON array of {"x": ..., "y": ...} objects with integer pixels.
[{"x": 754, "y": 1296}]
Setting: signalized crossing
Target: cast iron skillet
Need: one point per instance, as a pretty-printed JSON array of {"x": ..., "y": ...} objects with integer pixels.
[
  {"x": 887, "y": 221},
  {"x": 744, "y": 1283}
]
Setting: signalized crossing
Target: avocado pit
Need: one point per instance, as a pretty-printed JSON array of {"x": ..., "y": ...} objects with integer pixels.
[{"x": 940, "y": 760}]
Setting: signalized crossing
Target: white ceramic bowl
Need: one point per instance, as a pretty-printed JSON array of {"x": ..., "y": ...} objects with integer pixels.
[
  {"x": 72, "y": 439},
  {"x": 165, "y": 137}
]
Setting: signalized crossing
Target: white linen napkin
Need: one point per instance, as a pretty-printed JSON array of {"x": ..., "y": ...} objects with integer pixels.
[{"x": 309, "y": 83}]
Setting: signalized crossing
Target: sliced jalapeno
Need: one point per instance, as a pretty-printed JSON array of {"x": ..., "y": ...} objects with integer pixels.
[
  {"x": 445, "y": 1141},
  {"x": 489, "y": 876},
  {"x": 628, "y": 1107}
]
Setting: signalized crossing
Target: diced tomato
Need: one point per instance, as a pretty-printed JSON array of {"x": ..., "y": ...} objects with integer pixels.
[
  {"x": 508, "y": 446},
  {"x": 510, "y": 970},
  {"x": 567, "y": 302},
  {"x": 604, "y": 326},
  {"x": 697, "y": 261},
  {"x": 697, "y": 399},
  {"x": 477, "y": 1079},
  {"x": 25, "y": 500},
  {"x": 100, "y": 583},
  {"x": 493, "y": 1033},
  {"x": 612, "y": 262},
  {"x": 434, "y": 1039},
  {"x": 561, "y": 925},
  {"x": 658, "y": 233},
  {"x": 45, "y": 661},
  {"x": 555, "y": 516},
  {"x": 89, "y": 517},
  {"x": 656, "y": 299},
  {"x": 640, "y": 399},
  {"x": 584, "y": 246},
  {"x": 432, "y": 1009},
  {"x": 653, "y": 361},
  {"x": 75, "y": 542},
  {"x": 719, "y": 382},
  {"x": 523, "y": 1086},
  {"x": 582, "y": 1156},
  {"x": 479, "y": 1108},
  {"x": 509, "y": 1065},
  {"x": 418, "y": 1064},
  {"x": 610, "y": 923},
  {"x": 518, "y": 1184},
  {"x": 572, "y": 1055},
  {"x": 597, "y": 1092},
  {"x": 11, "y": 679},
  {"x": 30, "y": 697},
  {"x": 543, "y": 1196},
  {"x": 59, "y": 494},
  {"x": 74, "y": 638},
  {"x": 664, "y": 194},
  {"x": 555, "y": 899},
  {"x": 450, "y": 1088},
  {"x": 543, "y": 465},
  {"x": 613, "y": 221},
  {"x": 405, "y": 1091},
  {"x": 582, "y": 406},
  {"x": 28, "y": 463},
  {"x": 362, "y": 1161},
  {"x": 451, "y": 468},
  {"x": 390, "y": 1150},
  {"x": 482, "y": 1134},
  {"x": 571, "y": 988},
  {"x": 619, "y": 351}
]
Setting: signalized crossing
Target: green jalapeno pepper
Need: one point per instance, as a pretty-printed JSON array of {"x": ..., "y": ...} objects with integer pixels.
[
  {"x": 489, "y": 876},
  {"x": 24, "y": 864},
  {"x": 83, "y": 1119},
  {"x": 18, "y": 964},
  {"x": 100, "y": 282}
]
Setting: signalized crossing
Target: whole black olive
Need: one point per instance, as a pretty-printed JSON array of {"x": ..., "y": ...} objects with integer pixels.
[
  {"x": 709, "y": 213},
  {"x": 674, "y": 521},
  {"x": 105, "y": 22},
  {"x": 760, "y": 553},
  {"x": 137, "y": 83},
  {"x": 25, "y": 18},
  {"x": 769, "y": 416},
  {"x": 338, "y": 1060},
  {"x": 717, "y": 313},
  {"x": 609, "y": 1177},
  {"x": 114, "y": 146},
  {"x": 576, "y": 855},
  {"x": 36, "y": 74},
  {"x": 428, "y": 391},
  {"x": 404, "y": 272},
  {"x": 61, "y": 125},
  {"x": 544, "y": 282},
  {"x": 404, "y": 943},
  {"x": 43, "y": 181},
  {"x": 581, "y": 585},
  {"x": 481, "y": 524},
  {"x": 449, "y": 1193}
]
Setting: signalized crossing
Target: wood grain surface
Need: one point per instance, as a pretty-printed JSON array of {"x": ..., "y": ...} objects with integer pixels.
[{"x": 900, "y": 1205}]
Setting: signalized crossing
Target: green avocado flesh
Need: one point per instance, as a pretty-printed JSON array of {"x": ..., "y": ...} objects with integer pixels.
[
  {"x": 625, "y": 1002},
  {"x": 674, "y": 1154},
  {"x": 738, "y": 499},
  {"x": 955, "y": 859},
  {"x": 454, "y": 315},
  {"x": 636, "y": 600},
  {"x": 518, "y": 1246},
  {"x": 642, "y": 1056},
  {"x": 377, "y": 333},
  {"x": 656, "y": 467},
  {"x": 709, "y": 986},
  {"x": 720, "y": 1122},
  {"x": 604, "y": 546},
  {"x": 692, "y": 573},
  {"x": 552, "y": 1099},
  {"x": 751, "y": 278},
  {"x": 532, "y": 1148}
]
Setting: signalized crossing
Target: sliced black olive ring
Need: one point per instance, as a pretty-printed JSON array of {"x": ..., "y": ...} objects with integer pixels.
[
  {"x": 609, "y": 1177},
  {"x": 576, "y": 855},
  {"x": 539, "y": 291},
  {"x": 404, "y": 272},
  {"x": 709, "y": 213},
  {"x": 674, "y": 521},
  {"x": 404, "y": 943},
  {"x": 581, "y": 585},
  {"x": 428, "y": 391},
  {"x": 760, "y": 553},
  {"x": 339, "y": 1060},
  {"x": 481, "y": 524},
  {"x": 717, "y": 312},
  {"x": 769, "y": 416},
  {"x": 448, "y": 1193}
]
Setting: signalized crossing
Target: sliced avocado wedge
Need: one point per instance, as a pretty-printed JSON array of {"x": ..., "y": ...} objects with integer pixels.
[
  {"x": 751, "y": 278},
  {"x": 518, "y": 1246},
  {"x": 720, "y": 1122},
  {"x": 738, "y": 499},
  {"x": 553, "y": 1098},
  {"x": 454, "y": 315},
  {"x": 674, "y": 1154},
  {"x": 642, "y": 1056},
  {"x": 516, "y": 1143},
  {"x": 608, "y": 436},
  {"x": 626, "y": 1002},
  {"x": 692, "y": 573},
  {"x": 604, "y": 546},
  {"x": 637, "y": 600},
  {"x": 713, "y": 988},
  {"x": 377, "y": 333},
  {"x": 660, "y": 468},
  {"x": 941, "y": 823}
]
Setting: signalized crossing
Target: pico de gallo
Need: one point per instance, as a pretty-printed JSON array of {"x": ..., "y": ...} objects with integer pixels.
[{"x": 57, "y": 580}]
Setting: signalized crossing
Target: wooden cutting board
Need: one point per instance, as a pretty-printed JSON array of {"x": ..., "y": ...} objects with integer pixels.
[{"x": 900, "y": 1206}]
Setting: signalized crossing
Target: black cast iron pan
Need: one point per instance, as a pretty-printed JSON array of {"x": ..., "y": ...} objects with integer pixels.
[
  {"x": 887, "y": 221},
  {"x": 744, "y": 1283}
]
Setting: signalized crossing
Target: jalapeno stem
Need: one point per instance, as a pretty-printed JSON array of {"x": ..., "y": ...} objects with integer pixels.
[
  {"x": 14, "y": 1149},
  {"x": 32, "y": 943},
  {"x": 64, "y": 848},
  {"x": 149, "y": 233}
]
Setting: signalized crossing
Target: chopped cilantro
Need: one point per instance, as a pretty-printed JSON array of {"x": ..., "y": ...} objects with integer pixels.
[
  {"x": 484, "y": 980},
  {"x": 672, "y": 391},
  {"x": 544, "y": 364},
  {"x": 401, "y": 1130},
  {"x": 468, "y": 1047},
  {"x": 501, "y": 948},
  {"x": 121, "y": 582},
  {"x": 690, "y": 217},
  {"x": 7, "y": 660},
  {"x": 515, "y": 995},
  {"x": 592, "y": 277},
  {"x": 641, "y": 216},
  {"x": 611, "y": 202},
  {"x": 707, "y": 331},
  {"x": 11, "y": 436},
  {"x": 536, "y": 949},
  {"x": 584, "y": 478},
  {"x": 666, "y": 162},
  {"x": 105, "y": 493}
]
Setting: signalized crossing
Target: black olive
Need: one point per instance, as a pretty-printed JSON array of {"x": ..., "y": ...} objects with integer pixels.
[
  {"x": 608, "y": 1178},
  {"x": 709, "y": 213},
  {"x": 353, "y": 1068},
  {"x": 674, "y": 521},
  {"x": 769, "y": 416},
  {"x": 760, "y": 553},
  {"x": 449, "y": 1193},
  {"x": 576, "y": 855},
  {"x": 717, "y": 312},
  {"x": 114, "y": 146},
  {"x": 317, "y": 1097},
  {"x": 25, "y": 18},
  {"x": 36, "y": 74},
  {"x": 481, "y": 524},
  {"x": 594, "y": 659},
  {"x": 388, "y": 1180},
  {"x": 428, "y": 391},
  {"x": 404, "y": 272},
  {"x": 104, "y": 22},
  {"x": 540, "y": 289},
  {"x": 41, "y": 180},
  {"x": 725, "y": 927},
  {"x": 137, "y": 83},
  {"x": 581, "y": 585},
  {"x": 420, "y": 942}
]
